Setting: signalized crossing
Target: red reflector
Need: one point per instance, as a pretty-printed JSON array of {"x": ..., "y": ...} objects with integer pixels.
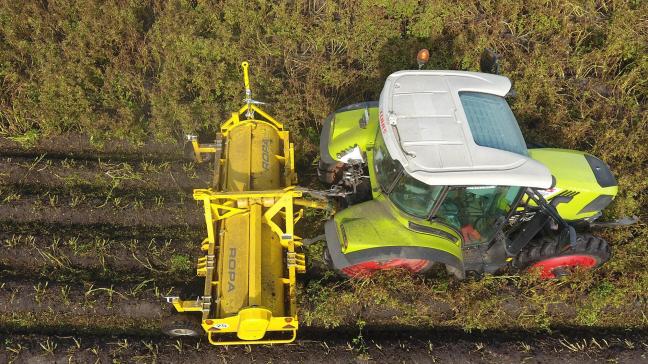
[
  {"x": 209, "y": 322},
  {"x": 288, "y": 319},
  {"x": 289, "y": 326}
]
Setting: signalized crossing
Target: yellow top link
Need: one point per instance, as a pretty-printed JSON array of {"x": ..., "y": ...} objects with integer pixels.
[
  {"x": 246, "y": 78},
  {"x": 250, "y": 108}
]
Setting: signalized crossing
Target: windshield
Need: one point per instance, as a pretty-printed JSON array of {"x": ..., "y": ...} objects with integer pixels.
[
  {"x": 386, "y": 168},
  {"x": 407, "y": 193},
  {"x": 477, "y": 212},
  {"x": 492, "y": 123},
  {"x": 415, "y": 197}
]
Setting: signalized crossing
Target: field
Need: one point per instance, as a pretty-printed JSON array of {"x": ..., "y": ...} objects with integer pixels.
[{"x": 97, "y": 221}]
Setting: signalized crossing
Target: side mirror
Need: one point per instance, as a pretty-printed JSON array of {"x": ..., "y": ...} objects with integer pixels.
[{"x": 488, "y": 62}]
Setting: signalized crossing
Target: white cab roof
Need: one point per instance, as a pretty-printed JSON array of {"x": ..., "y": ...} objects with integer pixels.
[{"x": 425, "y": 128}]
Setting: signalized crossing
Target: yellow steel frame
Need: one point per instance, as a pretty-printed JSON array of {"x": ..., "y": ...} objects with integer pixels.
[
  {"x": 199, "y": 150},
  {"x": 222, "y": 205},
  {"x": 235, "y": 120},
  {"x": 262, "y": 207}
]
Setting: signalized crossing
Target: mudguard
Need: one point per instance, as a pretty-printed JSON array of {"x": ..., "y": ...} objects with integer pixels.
[
  {"x": 347, "y": 127},
  {"x": 370, "y": 231}
]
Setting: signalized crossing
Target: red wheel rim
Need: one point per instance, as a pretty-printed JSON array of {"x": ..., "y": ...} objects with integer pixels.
[
  {"x": 365, "y": 269},
  {"x": 548, "y": 267}
]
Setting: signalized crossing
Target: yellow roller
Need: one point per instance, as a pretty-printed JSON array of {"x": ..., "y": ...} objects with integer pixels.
[{"x": 250, "y": 260}]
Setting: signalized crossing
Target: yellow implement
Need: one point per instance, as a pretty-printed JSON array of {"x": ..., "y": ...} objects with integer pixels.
[{"x": 250, "y": 257}]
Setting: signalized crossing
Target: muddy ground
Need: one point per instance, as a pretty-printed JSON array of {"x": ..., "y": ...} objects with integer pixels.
[{"x": 92, "y": 237}]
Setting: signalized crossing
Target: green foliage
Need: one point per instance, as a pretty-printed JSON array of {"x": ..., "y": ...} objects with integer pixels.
[
  {"x": 143, "y": 69},
  {"x": 28, "y": 139},
  {"x": 181, "y": 264}
]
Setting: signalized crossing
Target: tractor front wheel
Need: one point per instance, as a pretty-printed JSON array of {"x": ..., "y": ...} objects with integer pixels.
[{"x": 553, "y": 259}]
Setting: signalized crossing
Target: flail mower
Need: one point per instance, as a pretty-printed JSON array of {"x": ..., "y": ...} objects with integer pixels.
[{"x": 435, "y": 173}]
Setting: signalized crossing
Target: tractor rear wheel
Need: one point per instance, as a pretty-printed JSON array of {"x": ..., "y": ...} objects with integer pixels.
[
  {"x": 366, "y": 269},
  {"x": 182, "y": 325},
  {"x": 553, "y": 259}
]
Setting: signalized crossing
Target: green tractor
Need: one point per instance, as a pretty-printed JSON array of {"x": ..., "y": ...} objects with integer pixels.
[{"x": 437, "y": 172}]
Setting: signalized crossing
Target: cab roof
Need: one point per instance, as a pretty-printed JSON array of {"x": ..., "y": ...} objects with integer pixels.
[{"x": 425, "y": 128}]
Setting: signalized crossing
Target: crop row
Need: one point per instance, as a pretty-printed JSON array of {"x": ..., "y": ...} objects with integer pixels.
[
  {"x": 39, "y": 175},
  {"x": 39, "y": 210},
  {"x": 82, "y": 147},
  {"x": 73, "y": 258}
]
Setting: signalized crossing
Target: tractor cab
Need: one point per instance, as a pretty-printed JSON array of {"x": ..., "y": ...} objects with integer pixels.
[
  {"x": 474, "y": 211},
  {"x": 436, "y": 172}
]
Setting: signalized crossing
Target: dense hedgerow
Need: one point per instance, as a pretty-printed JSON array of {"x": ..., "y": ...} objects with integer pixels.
[{"x": 144, "y": 70}]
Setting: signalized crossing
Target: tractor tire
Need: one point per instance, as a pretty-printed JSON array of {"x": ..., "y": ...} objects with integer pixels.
[
  {"x": 555, "y": 260},
  {"x": 182, "y": 325}
]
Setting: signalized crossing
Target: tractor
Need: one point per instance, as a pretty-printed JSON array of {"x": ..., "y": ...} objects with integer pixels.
[
  {"x": 434, "y": 173},
  {"x": 437, "y": 172}
]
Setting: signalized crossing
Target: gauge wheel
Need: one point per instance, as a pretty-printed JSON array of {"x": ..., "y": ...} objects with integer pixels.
[
  {"x": 553, "y": 259},
  {"x": 368, "y": 268},
  {"x": 182, "y": 325}
]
